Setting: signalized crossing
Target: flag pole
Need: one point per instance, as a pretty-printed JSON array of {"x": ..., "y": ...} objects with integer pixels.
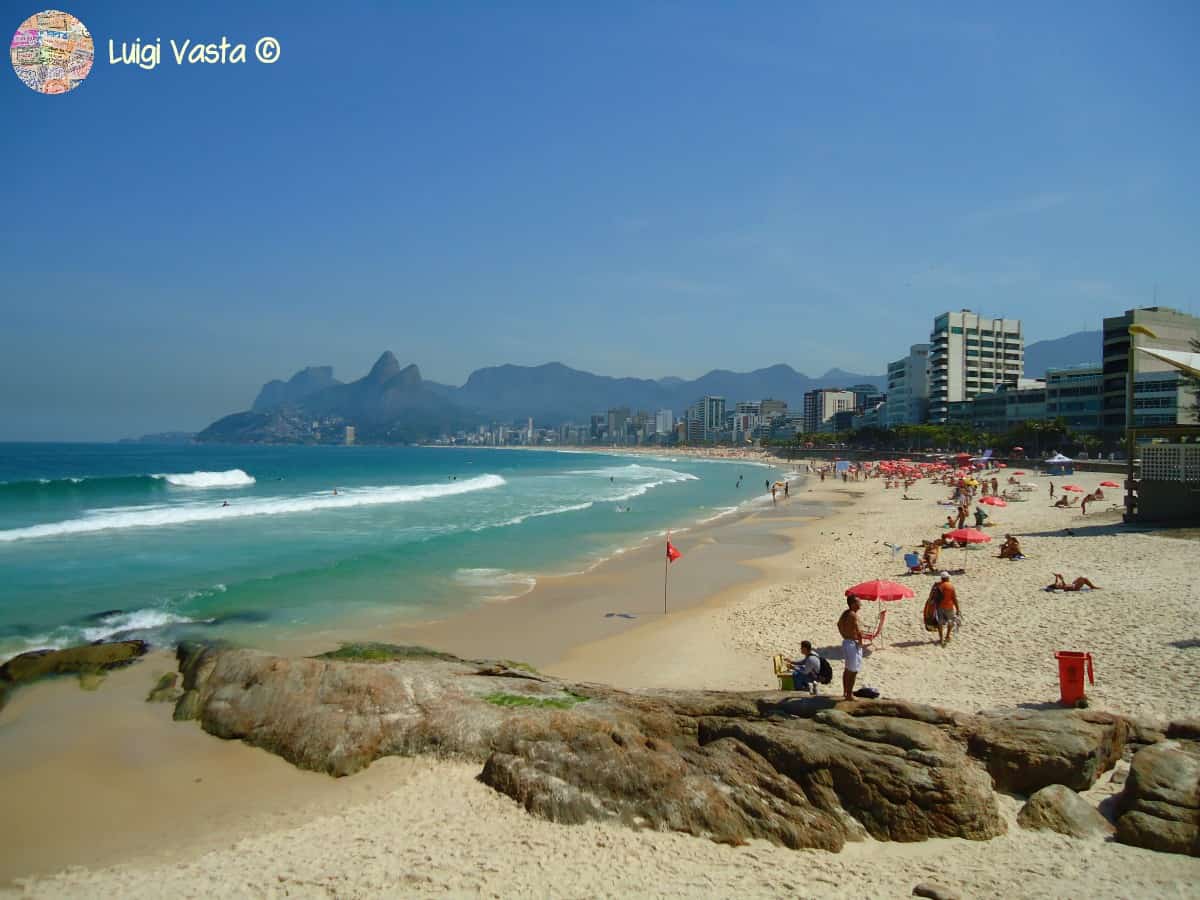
[{"x": 666, "y": 565}]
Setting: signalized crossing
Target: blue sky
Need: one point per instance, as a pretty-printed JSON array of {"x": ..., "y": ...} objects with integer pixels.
[{"x": 634, "y": 189}]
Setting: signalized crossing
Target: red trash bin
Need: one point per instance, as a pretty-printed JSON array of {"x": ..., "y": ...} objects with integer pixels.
[{"x": 1070, "y": 674}]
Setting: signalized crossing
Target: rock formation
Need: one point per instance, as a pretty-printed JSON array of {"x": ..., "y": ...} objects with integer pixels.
[
  {"x": 1160, "y": 805},
  {"x": 1058, "y": 808},
  {"x": 87, "y": 661},
  {"x": 797, "y": 771}
]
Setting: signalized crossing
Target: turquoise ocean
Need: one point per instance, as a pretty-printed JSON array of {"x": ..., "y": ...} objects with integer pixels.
[{"x": 103, "y": 541}]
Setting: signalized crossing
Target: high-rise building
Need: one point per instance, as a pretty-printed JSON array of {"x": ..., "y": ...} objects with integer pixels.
[
  {"x": 705, "y": 419},
  {"x": 772, "y": 409},
  {"x": 970, "y": 354},
  {"x": 664, "y": 421},
  {"x": 747, "y": 416},
  {"x": 617, "y": 419},
  {"x": 820, "y": 406},
  {"x": 908, "y": 388},
  {"x": 1160, "y": 396}
]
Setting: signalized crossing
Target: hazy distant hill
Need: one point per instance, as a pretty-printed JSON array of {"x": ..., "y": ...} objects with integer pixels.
[
  {"x": 389, "y": 404},
  {"x": 553, "y": 392},
  {"x": 305, "y": 382},
  {"x": 1072, "y": 350},
  {"x": 392, "y": 403}
]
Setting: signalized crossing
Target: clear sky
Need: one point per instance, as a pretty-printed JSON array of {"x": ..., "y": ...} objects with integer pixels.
[{"x": 630, "y": 188}]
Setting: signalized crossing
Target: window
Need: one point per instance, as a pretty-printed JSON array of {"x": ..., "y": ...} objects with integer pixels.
[{"x": 956, "y": 330}]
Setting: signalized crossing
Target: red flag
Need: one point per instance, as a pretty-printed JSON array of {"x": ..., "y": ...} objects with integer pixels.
[{"x": 672, "y": 553}]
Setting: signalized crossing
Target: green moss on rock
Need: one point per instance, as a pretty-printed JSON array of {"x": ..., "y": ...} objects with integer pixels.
[
  {"x": 500, "y": 698},
  {"x": 370, "y": 651}
]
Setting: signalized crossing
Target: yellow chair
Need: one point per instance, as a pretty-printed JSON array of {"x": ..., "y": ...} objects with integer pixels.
[{"x": 783, "y": 672}]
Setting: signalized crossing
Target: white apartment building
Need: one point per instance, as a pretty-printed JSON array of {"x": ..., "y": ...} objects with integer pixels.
[
  {"x": 821, "y": 405},
  {"x": 969, "y": 355},
  {"x": 664, "y": 421},
  {"x": 908, "y": 389}
]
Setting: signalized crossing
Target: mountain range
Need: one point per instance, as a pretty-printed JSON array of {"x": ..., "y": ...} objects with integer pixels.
[{"x": 393, "y": 403}]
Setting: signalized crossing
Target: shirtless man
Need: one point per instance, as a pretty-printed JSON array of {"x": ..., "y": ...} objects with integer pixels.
[{"x": 852, "y": 647}]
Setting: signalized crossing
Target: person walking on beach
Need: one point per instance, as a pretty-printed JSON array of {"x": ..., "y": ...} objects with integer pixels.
[
  {"x": 945, "y": 597},
  {"x": 852, "y": 647},
  {"x": 786, "y": 490},
  {"x": 1051, "y": 490}
]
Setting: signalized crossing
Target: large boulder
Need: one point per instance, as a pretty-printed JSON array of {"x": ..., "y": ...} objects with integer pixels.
[
  {"x": 86, "y": 660},
  {"x": 1058, "y": 808},
  {"x": 900, "y": 779},
  {"x": 1027, "y": 750},
  {"x": 1159, "y": 808},
  {"x": 577, "y": 768}
]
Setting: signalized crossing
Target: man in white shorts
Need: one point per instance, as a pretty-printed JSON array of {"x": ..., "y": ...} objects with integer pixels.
[{"x": 852, "y": 648}]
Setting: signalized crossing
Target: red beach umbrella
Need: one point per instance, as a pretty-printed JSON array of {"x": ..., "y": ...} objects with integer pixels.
[
  {"x": 1018, "y": 473},
  {"x": 993, "y": 501},
  {"x": 966, "y": 536},
  {"x": 1109, "y": 484},
  {"x": 1073, "y": 487},
  {"x": 1001, "y": 465},
  {"x": 879, "y": 590}
]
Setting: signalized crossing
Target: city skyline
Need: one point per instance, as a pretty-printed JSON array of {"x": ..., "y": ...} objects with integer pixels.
[{"x": 643, "y": 192}]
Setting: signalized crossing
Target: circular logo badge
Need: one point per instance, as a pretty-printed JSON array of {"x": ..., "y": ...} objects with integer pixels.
[{"x": 52, "y": 52}]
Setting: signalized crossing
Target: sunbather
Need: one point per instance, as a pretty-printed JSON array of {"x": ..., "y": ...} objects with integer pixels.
[
  {"x": 1011, "y": 548},
  {"x": 1061, "y": 584},
  {"x": 1064, "y": 501}
]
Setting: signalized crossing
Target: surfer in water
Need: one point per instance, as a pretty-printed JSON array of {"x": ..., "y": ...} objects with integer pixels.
[{"x": 225, "y": 504}]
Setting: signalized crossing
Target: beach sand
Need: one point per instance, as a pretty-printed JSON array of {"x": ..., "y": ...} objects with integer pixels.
[{"x": 427, "y": 826}]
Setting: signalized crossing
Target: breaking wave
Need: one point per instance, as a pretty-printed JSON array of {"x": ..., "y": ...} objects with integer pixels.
[{"x": 158, "y": 516}]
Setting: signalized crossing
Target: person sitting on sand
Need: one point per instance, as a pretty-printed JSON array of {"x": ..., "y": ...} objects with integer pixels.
[
  {"x": 933, "y": 549},
  {"x": 1064, "y": 501},
  {"x": 807, "y": 669},
  {"x": 1011, "y": 548},
  {"x": 980, "y": 516},
  {"x": 1061, "y": 584}
]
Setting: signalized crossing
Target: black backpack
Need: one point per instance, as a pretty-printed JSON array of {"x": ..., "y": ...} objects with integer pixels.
[{"x": 826, "y": 674}]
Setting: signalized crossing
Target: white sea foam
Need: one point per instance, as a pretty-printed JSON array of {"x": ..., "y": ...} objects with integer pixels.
[
  {"x": 721, "y": 512},
  {"x": 503, "y": 584},
  {"x": 183, "y": 514},
  {"x": 553, "y": 511},
  {"x": 137, "y": 620},
  {"x": 227, "y": 479}
]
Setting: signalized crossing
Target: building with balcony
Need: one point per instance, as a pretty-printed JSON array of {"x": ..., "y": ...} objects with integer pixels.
[{"x": 969, "y": 355}]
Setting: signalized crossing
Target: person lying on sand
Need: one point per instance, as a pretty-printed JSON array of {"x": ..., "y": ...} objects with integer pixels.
[
  {"x": 1060, "y": 584},
  {"x": 1063, "y": 502}
]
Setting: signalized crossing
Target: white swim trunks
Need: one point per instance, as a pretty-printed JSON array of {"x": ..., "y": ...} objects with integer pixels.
[{"x": 852, "y": 654}]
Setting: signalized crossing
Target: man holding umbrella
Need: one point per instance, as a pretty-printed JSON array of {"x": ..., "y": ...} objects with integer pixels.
[{"x": 944, "y": 596}]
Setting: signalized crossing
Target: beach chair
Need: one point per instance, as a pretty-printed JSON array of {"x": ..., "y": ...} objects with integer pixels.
[
  {"x": 913, "y": 562},
  {"x": 869, "y": 639},
  {"x": 783, "y": 672}
]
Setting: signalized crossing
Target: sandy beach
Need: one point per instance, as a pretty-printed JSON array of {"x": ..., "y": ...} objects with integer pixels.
[{"x": 744, "y": 590}]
